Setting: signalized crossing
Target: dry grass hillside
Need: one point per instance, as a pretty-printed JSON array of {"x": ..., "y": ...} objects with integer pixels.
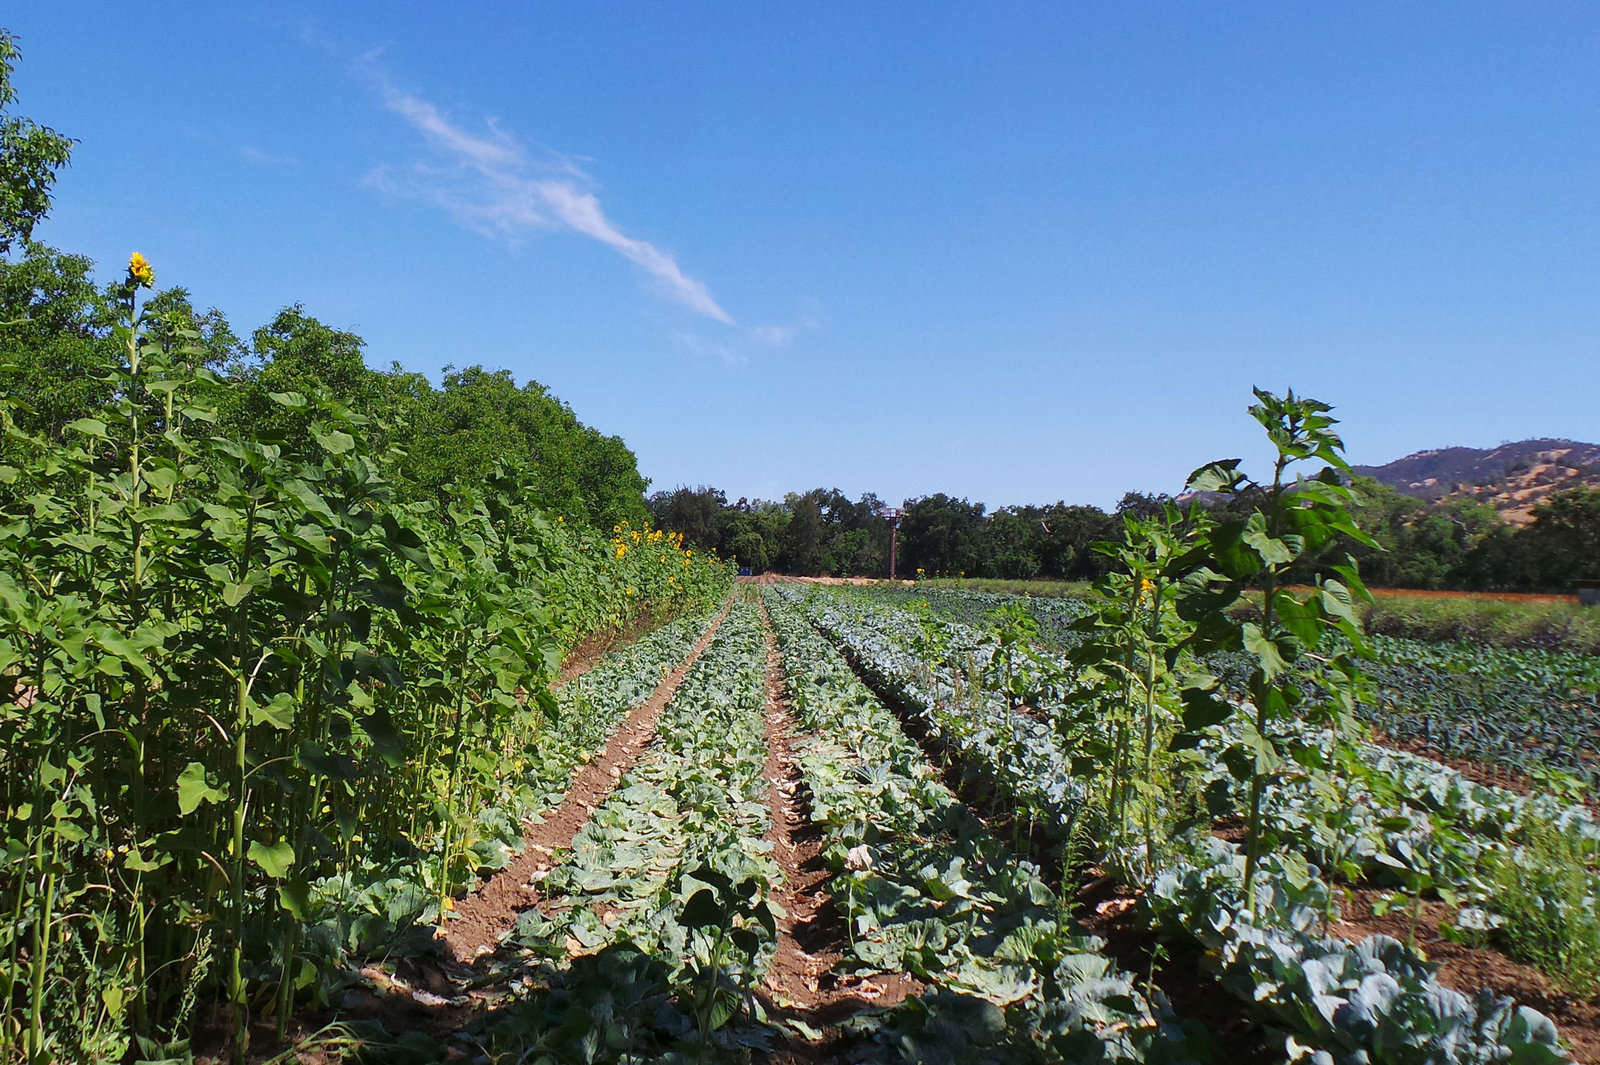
[{"x": 1512, "y": 478}]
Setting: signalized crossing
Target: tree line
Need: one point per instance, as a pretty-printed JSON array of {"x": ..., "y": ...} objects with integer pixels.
[
  {"x": 56, "y": 331},
  {"x": 1456, "y": 543}
]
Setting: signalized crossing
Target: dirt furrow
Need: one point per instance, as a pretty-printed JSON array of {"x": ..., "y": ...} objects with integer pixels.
[
  {"x": 801, "y": 983},
  {"x": 484, "y": 916},
  {"x": 591, "y": 650}
]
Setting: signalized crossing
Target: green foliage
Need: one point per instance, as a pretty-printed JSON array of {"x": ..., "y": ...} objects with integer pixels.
[
  {"x": 1129, "y": 662},
  {"x": 1283, "y": 522},
  {"x": 1548, "y": 898},
  {"x": 30, "y": 155},
  {"x": 239, "y": 671},
  {"x": 942, "y": 535},
  {"x": 55, "y": 335},
  {"x": 1512, "y": 624},
  {"x": 478, "y": 420}
]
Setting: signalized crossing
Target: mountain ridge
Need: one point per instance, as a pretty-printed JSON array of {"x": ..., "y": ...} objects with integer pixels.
[{"x": 1513, "y": 477}]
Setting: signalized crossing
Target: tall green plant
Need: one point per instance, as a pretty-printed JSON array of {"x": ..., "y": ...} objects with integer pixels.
[
  {"x": 1131, "y": 661},
  {"x": 1285, "y": 520},
  {"x": 239, "y": 679}
]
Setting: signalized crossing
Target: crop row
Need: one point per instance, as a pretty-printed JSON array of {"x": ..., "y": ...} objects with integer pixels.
[
  {"x": 1524, "y": 710},
  {"x": 1017, "y": 751},
  {"x": 590, "y": 706},
  {"x": 1199, "y": 895},
  {"x": 927, "y": 890},
  {"x": 657, "y": 923}
]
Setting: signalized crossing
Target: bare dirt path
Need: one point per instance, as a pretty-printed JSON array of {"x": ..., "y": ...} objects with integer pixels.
[
  {"x": 487, "y": 914},
  {"x": 592, "y": 648},
  {"x": 801, "y": 983}
]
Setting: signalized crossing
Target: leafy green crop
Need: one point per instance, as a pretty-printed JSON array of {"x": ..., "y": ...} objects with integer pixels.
[{"x": 240, "y": 681}]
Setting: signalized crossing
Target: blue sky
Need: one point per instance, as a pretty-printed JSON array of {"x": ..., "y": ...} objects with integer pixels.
[{"x": 1011, "y": 251}]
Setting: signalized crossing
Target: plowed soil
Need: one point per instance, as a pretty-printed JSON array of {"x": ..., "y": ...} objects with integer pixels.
[
  {"x": 801, "y": 983},
  {"x": 488, "y": 913}
]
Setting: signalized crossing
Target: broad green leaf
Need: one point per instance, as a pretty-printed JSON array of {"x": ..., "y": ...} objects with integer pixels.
[
  {"x": 194, "y": 789},
  {"x": 295, "y": 897},
  {"x": 89, "y": 427},
  {"x": 278, "y": 712},
  {"x": 274, "y": 860},
  {"x": 336, "y": 442},
  {"x": 1265, "y": 651}
]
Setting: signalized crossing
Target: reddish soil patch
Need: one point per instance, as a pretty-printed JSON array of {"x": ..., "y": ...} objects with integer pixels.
[
  {"x": 784, "y": 578},
  {"x": 801, "y": 983},
  {"x": 595, "y": 646},
  {"x": 485, "y": 915},
  {"x": 1471, "y": 969},
  {"x": 1496, "y": 597}
]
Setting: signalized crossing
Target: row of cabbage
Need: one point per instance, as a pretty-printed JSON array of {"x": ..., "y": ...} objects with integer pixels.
[
  {"x": 1524, "y": 710},
  {"x": 590, "y": 706},
  {"x": 1372, "y": 1001},
  {"x": 926, "y": 890},
  {"x": 656, "y": 925}
]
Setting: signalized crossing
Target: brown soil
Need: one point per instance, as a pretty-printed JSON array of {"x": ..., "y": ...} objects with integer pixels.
[
  {"x": 1498, "y": 597},
  {"x": 784, "y": 578},
  {"x": 592, "y": 648},
  {"x": 801, "y": 983},
  {"x": 485, "y": 915},
  {"x": 1471, "y": 969}
]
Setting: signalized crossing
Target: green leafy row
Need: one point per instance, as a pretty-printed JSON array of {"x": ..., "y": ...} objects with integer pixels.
[
  {"x": 663, "y": 908},
  {"x": 927, "y": 890},
  {"x": 1417, "y": 1003}
]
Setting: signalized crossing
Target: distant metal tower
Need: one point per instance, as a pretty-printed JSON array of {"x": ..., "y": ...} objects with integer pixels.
[{"x": 893, "y": 514}]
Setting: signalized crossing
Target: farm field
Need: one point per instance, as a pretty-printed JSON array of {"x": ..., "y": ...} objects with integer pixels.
[
  {"x": 843, "y": 842},
  {"x": 808, "y": 821},
  {"x": 364, "y": 701},
  {"x": 1516, "y": 713}
]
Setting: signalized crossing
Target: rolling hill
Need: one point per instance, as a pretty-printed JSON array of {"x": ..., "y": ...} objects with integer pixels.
[{"x": 1512, "y": 477}]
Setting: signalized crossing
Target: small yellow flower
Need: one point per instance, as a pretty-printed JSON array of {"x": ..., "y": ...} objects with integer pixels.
[
  {"x": 632, "y": 592},
  {"x": 140, "y": 272}
]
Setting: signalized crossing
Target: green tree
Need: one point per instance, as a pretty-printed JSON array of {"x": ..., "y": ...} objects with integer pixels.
[
  {"x": 700, "y": 514},
  {"x": 942, "y": 535},
  {"x": 480, "y": 420},
  {"x": 802, "y": 536},
  {"x": 1010, "y": 547},
  {"x": 30, "y": 155},
  {"x": 1563, "y": 542},
  {"x": 755, "y": 533},
  {"x": 55, "y": 328}
]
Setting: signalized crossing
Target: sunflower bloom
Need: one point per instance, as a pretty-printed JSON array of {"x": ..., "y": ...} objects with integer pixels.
[{"x": 140, "y": 273}]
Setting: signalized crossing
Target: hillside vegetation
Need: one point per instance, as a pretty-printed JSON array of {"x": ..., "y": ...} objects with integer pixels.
[{"x": 1512, "y": 478}]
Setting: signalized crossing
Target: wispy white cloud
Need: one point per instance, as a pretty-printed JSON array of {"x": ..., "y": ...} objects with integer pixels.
[
  {"x": 775, "y": 336},
  {"x": 710, "y": 349},
  {"x": 490, "y": 182},
  {"x": 256, "y": 157}
]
